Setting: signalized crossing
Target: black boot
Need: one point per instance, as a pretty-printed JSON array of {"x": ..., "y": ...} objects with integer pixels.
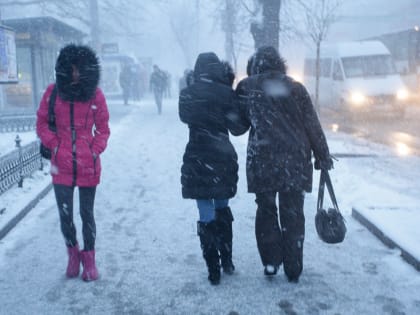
[
  {"x": 293, "y": 258},
  {"x": 224, "y": 219},
  {"x": 207, "y": 233}
]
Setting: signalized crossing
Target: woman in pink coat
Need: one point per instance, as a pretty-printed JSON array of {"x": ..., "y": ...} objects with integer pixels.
[{"x": 82, "y": 132}]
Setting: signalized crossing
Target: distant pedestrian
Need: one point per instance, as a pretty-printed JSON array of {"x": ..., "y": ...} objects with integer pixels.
[
  {"x": 283, "y": 132},
  {"x": 82, "y": 131},
  {"x": 210, "y": 168},
  {"x": 137, "y": 84},
  {"x": 158, "y": 86},
  {"x": 126, "y": 82}
]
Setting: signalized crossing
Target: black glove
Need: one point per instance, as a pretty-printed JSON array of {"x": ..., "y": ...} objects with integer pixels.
[{"x": 324, "y": 164}]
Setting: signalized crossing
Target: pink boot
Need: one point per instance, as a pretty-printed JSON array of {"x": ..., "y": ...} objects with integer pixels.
[
  {"x": 73, "y": 266},
  {"x": 89, "y": 267}
]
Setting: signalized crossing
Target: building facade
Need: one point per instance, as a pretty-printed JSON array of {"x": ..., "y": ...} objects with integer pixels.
[{"x": 38, "y": 41}]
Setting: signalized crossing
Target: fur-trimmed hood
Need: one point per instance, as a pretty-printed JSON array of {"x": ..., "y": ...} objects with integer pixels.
[
  {"x": 86, "y": 61},
  {"x": 267, "y": 59}
]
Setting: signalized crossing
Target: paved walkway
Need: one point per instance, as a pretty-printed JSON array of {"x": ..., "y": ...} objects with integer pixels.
[{"x": 148, "y": 253}]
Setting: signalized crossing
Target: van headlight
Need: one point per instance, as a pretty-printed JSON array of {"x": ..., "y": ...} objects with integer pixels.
[
  {"x": 357, "y": 98},
  {"x": 402, "y": 94},
  {"x": 297, "y": 77}
]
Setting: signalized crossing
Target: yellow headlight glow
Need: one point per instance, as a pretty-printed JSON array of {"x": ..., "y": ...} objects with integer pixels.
[
  {"x": 402, "y": 94},
  {"x": 357, "y": 98}
]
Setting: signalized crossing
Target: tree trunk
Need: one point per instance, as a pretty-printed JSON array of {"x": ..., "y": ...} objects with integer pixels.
[{"x": 267, "y": 32}]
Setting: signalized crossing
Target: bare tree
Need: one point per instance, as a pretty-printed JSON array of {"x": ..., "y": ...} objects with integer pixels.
[
  {"x": 264, "y": 19},
  {"x": 266, "y": 30},
  {"x": 234, "y": 17},
  {"x": 183, "y": 19},
  {"x": 116, "y": 18},
  {"x": 319, "y": 16}
]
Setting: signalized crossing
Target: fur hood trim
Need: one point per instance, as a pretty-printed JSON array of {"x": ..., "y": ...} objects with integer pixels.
[{"x": 86, "y": 61}]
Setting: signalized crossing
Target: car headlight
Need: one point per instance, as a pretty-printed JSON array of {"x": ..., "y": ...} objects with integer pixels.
[
  {"x": 357, "y": 98},
  {"x": 402, "y": 94}
]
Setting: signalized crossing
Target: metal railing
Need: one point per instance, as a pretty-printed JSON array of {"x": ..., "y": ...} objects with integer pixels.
[
  {"x": 18, "y": 164},
  {"x": 13, "y": 123}
]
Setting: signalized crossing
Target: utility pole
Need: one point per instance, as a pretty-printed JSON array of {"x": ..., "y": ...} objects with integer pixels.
[{"x": 95, "y": 35}]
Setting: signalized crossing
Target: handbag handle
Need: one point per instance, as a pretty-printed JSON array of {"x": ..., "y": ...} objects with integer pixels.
[{"x": 326, "y": 180}]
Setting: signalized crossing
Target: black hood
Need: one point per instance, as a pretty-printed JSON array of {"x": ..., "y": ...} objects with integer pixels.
[
  {"x": 267, "y": 59},
  {"x": 208, "y": 66},
  {"x": 86, "y": 61}
]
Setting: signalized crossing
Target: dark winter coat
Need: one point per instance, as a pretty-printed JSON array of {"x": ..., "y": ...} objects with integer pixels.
[
  {"x": 81, "y": 117},
  {"x": 126, "y": 78},
  {"x": 284, "y": 127},
  {"x": 158, "y": 81},
  {"x": 210, "y": 165}
]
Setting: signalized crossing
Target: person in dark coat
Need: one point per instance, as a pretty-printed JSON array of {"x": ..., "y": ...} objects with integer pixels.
[
  {"x": 158, "y": 83},
  {"x": 209, "y": 173},
  {"x": 81, "y": 135},
  {"x": 283, "y": 132},
  {"x": 126, "y": 82}
]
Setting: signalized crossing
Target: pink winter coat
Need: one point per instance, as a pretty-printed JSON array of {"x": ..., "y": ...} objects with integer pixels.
[{"x": 77, "y": 164}]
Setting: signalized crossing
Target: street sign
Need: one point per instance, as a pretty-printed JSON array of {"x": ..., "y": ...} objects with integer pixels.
[{"x": 8, "y": 62}]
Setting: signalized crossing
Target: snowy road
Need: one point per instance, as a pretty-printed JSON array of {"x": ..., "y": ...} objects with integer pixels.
[
  {"x": 149, "y": 257},
  {"x": 399, "y": 133}
]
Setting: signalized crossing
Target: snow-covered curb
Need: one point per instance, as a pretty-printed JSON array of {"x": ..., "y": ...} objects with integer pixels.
[{"x": 395, "y": 227}]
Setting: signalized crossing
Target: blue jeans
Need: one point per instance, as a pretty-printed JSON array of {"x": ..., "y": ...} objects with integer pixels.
[{"x": 207, "y": 208}]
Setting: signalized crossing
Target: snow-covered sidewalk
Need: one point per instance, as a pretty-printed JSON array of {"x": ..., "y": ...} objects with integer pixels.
[{"x": 149, "y": 256}]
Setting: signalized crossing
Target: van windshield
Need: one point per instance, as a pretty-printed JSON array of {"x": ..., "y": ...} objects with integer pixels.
[{"x": 368, "y": 66}]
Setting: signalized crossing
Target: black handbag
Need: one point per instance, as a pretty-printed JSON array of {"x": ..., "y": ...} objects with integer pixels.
[
  {"x": 330, "y": 224},
  {"x": 43, "y": 150}
]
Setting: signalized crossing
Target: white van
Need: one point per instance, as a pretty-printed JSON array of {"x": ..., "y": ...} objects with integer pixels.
[{"x": 357, "y": 77}]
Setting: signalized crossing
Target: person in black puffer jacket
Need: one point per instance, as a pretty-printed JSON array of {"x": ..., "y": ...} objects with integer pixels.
[
  {"x": 209, "y": 173},
  {"x": 284, "y": 130}
]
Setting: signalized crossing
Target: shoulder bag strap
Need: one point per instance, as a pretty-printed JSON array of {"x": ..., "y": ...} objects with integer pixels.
[{"x": 51, "y": 113}]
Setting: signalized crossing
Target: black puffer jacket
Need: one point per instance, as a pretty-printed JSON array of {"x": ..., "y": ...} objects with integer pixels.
[
  {"x": 284, "y": 127},
  {"x": 210, "y": 165}
]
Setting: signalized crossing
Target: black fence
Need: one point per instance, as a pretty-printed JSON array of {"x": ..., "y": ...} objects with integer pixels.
[
  {"x": 18, "y": 164},
  {"x": 12, "y": 123}
]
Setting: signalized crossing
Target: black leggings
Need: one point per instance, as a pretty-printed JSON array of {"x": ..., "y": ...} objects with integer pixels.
[{"x": 64, "y": 197}]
